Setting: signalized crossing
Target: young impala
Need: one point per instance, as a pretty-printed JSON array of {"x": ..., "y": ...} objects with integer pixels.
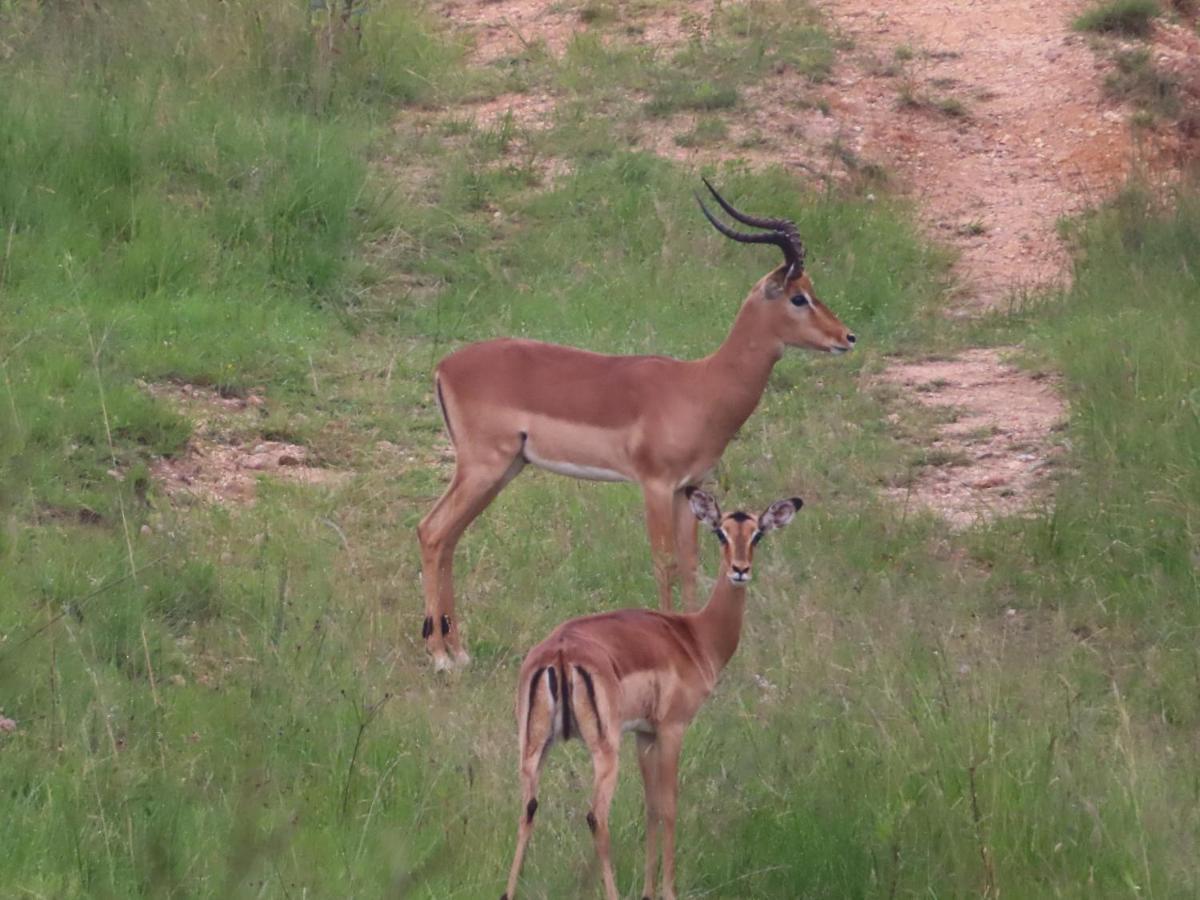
[
  {"x": 661, "y": 422},
  {"x": 635, "y": 670}
]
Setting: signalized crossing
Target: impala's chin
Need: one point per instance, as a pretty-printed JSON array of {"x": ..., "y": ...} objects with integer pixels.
[
  {"x": 838, "y": 351},
  {"x": 739, "y": 577}
]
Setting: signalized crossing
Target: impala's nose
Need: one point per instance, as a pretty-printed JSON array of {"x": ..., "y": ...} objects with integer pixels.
[
  {"x": 739, "y": 574},
  {"x": 851, "y": 338}
]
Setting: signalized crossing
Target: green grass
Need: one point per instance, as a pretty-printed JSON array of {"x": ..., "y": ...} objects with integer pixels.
[
  {"x": 1139, "y": 81},
  {"x": 706, "y": 131},
  {"x": 233, "y": 701},
  {"x": 740, "y": 47},
  {"x": 1133, "y": 18}
]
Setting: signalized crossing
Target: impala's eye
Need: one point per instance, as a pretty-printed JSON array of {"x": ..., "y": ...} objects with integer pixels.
[{"x": 800, "y": 300}]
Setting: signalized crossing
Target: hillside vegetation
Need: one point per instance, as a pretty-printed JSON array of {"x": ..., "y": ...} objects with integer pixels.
[{"x": 233, "y": 701}]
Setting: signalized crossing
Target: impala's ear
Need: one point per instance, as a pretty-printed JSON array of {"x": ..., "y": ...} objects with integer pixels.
[
  {"x": 705, "y": 507},
  {"x": 775, "y": 284},
  {"x": 779, "y": 514}
]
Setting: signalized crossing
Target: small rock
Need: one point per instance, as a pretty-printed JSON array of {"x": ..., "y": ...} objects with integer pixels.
[
  {"x": 286, "y": 459},
  {"x": 993, "y": 481},
  {"x": 145, "y": 530},
  {"x": 7, "y": 725}
]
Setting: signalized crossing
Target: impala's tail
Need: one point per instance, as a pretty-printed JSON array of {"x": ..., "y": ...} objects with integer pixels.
[
  {"x": 552, "y": 709},
  {"x": 566, "y": 698}
]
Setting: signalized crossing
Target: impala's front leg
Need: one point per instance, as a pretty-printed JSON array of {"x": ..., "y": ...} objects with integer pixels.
[
  {"x": 670, "y": 742},
  {"x": 647, "y": 754},
  {"x": 660, "y": 523},
  {"x": 687, "y": 553}
]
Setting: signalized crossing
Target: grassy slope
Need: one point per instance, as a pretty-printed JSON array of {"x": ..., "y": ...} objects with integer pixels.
[{"x": 236, "y": 702}]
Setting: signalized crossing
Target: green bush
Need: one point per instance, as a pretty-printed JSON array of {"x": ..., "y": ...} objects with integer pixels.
[{"x": 1134, "y": 18}]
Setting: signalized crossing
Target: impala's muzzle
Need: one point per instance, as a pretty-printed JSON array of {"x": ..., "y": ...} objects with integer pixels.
[
  {"x": 739, "y": 574},
  {"x": 845, "y": 347}
]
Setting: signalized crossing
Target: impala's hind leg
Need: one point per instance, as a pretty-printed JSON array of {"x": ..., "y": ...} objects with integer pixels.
[
  {"x": 590, "y": 704},
  {"x": 477, "y": 480},
  {"x": 535, "y": 724}
]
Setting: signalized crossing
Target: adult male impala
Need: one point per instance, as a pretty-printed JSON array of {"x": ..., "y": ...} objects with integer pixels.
[
  {"x": 635, "y": 670},
  {"x": 661, "y": 422}
]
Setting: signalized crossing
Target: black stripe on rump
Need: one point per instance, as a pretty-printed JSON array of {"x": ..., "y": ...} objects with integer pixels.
[
  {"x": 442, "y": 406},
  {"x": 591, "y": 692}
]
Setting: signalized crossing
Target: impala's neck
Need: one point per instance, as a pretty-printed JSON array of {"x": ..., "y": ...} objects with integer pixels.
[
  {"x": 738, "y": 370},
  {"x": 719, "y": 624}
]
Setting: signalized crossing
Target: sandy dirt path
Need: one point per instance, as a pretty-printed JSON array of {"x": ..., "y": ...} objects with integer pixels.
[{"x": 1029, "y": 136}]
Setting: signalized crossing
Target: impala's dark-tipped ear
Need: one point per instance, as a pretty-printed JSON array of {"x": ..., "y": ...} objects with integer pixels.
[
  {"x": 705, "y": 508},
  {"x": 779, "y": 514}
]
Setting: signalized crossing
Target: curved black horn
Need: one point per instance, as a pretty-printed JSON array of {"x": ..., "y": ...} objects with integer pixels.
[
  {"x": 792, "y": 254},
  {"x": 775, "y": 224},
  {"x": 784, "y": 227}
]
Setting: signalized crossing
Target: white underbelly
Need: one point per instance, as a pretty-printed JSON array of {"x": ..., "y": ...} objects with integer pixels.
[
  {"x": 570, "y": 469},
  {"x": 639, "y": 725}
]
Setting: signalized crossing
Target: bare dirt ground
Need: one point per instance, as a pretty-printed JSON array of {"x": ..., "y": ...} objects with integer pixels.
[
  {"x": 993, "y": 456},
  {"x": 225, "y": 456}
]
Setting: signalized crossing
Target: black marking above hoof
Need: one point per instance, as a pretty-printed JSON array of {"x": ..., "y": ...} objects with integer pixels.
[
  {"x": 530, "y": 809},
  {"x": 504, "y": 897},
  {"x": 445, "y": 625},
  {"x": 591, "y": 820},
  {"x": 427, "y": 628}
]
